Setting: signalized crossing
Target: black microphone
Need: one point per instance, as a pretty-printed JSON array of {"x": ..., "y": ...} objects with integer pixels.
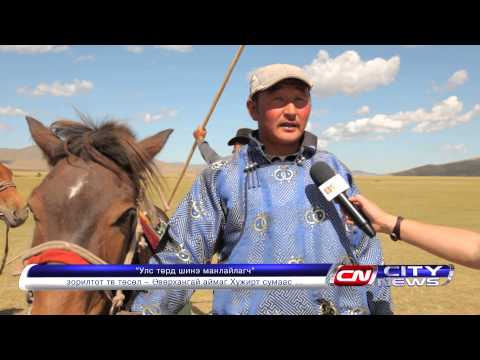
[{"x": 333, "y": 186}]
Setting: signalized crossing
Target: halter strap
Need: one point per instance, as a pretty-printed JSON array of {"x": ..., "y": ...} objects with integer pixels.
[
  {"x": 4, "y": 185},
  {"x": 69, "y": 253}
]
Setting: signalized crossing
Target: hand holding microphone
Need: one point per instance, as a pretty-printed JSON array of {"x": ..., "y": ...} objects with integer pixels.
[
  {"x": 381, "y": 221},
  {"x": 454, "y": 244},
  {"x": 333, "y": 187}
]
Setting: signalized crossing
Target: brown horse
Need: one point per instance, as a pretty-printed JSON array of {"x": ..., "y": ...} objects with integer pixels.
[
  {"x": 12, "y": 206},
  {"x": 90, "y": 198}
]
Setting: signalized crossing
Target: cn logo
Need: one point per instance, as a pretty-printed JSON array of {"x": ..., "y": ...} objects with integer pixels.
[{"x": 354, "y": 275}]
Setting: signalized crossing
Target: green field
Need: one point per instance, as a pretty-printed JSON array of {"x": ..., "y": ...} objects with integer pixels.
[{"x": 452, "y": 201}]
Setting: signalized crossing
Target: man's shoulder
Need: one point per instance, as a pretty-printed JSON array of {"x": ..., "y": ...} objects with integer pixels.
[
  {"x": 335, "y": 163},
  {"x": 332, "y": 160},
  {"x": 222, "y": 165}
]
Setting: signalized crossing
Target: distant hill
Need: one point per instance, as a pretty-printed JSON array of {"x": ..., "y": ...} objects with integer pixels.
[
  {"x": 31, "y": 159},
  {"x": 363, "y": 173},
  {"x": 469, "y": 167}
]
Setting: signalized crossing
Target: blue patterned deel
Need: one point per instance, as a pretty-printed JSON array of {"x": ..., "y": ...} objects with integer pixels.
[{"x": 253, "y": 210}]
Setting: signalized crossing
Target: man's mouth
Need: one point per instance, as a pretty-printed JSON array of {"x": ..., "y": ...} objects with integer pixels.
[{"x": 289, "y": 125}]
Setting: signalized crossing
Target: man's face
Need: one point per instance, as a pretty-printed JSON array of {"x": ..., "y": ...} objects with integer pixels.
[
  {"x": 282, "y": 113},
  {"x": 237, "y": 147}
]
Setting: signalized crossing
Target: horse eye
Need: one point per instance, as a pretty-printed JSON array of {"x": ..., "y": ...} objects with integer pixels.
[{"x": 125, "y": 217}]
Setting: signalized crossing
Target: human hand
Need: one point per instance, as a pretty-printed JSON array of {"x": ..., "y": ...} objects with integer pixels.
[
  {"x": 381, "y": 221},
  {"x": 200, "y": 134}
]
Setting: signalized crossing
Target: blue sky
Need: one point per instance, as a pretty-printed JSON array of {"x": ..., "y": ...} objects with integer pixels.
[{"x": 378, "y": 108}]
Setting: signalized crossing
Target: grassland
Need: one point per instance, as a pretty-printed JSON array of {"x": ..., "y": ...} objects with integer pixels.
[{"x": 452, "y": 201}]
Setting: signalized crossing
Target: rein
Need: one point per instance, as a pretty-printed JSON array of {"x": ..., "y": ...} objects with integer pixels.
[{"x": 4, "y": 185}]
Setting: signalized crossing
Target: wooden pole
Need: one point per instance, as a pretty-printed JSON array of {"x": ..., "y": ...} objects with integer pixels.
[{"x": 207, "y": 118}]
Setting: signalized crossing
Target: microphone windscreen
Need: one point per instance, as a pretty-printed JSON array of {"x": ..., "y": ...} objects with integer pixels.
[{"x": 321, "y": 172}]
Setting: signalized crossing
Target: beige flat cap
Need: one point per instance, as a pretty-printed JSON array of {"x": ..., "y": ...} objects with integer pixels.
[{"x": 267, "y": 76}]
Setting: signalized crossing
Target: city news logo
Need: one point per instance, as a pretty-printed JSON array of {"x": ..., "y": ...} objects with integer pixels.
[{"x": 392, "y": 275}]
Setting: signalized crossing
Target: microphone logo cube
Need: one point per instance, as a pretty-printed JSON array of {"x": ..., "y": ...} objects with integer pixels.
[{"x": 334, "y": 187}]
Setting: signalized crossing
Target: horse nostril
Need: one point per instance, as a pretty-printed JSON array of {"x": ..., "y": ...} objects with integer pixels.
[{"x": 20, "y": 215}]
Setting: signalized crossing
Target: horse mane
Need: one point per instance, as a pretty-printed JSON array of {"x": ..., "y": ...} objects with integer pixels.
[{"x": 111, "y": 145}]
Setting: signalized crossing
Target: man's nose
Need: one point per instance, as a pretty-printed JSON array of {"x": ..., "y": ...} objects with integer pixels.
[{"x": 290, "y": 111}]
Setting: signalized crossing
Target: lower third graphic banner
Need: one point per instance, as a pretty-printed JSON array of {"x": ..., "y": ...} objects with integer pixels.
[{"x": 228, "y": 276}]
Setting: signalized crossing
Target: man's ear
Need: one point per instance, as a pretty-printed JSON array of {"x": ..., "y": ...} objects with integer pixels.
[
  {"x": 252, "y": 107},
  {"x": 51, "y": 146},
  {"x": 152, "y": 145}
]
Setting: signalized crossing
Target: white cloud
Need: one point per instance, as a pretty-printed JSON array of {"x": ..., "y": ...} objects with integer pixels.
[
  {"x": 33, "y": 49},
  {"x": 379, "y": 124},
  {"x": 11, "y": 111},
  {"x": 58, "y": 89},
  {"x": 349, "y": 74},
  {"x": 455, "y": 147},
  {"x": 443, "y": 115},
  {"x": 165, "y": 113},
  {"x": 457, "y": 79},
  {"x": 84, "y": 58},
  {"x": 364, "y": 110},
  {"x": 138, "y": 49}
]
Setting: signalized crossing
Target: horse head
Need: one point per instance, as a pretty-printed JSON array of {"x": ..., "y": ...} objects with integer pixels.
[
  {"x": 90, "y": 198},
  {"x": 12, "y": 206}
]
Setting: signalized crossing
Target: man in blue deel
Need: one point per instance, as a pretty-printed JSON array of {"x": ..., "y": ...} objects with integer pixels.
[{"x": 262, "y": 207}]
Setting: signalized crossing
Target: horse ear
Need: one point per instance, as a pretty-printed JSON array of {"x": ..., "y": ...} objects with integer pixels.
[
  {"x": 45, "y": 139},
  {"x": 154, "y": 144}
]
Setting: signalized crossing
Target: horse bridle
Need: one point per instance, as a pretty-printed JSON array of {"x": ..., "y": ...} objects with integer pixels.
[
  {"x": 4, "y": 185},
  {"x": 137, "y": 240},
  {"x": 117, "y": 300}
]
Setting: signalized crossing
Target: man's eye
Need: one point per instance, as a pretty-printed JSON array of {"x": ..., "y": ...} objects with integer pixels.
[
  {"x": 300, "y": 102},
  {"x": 277, "y": 101}
]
